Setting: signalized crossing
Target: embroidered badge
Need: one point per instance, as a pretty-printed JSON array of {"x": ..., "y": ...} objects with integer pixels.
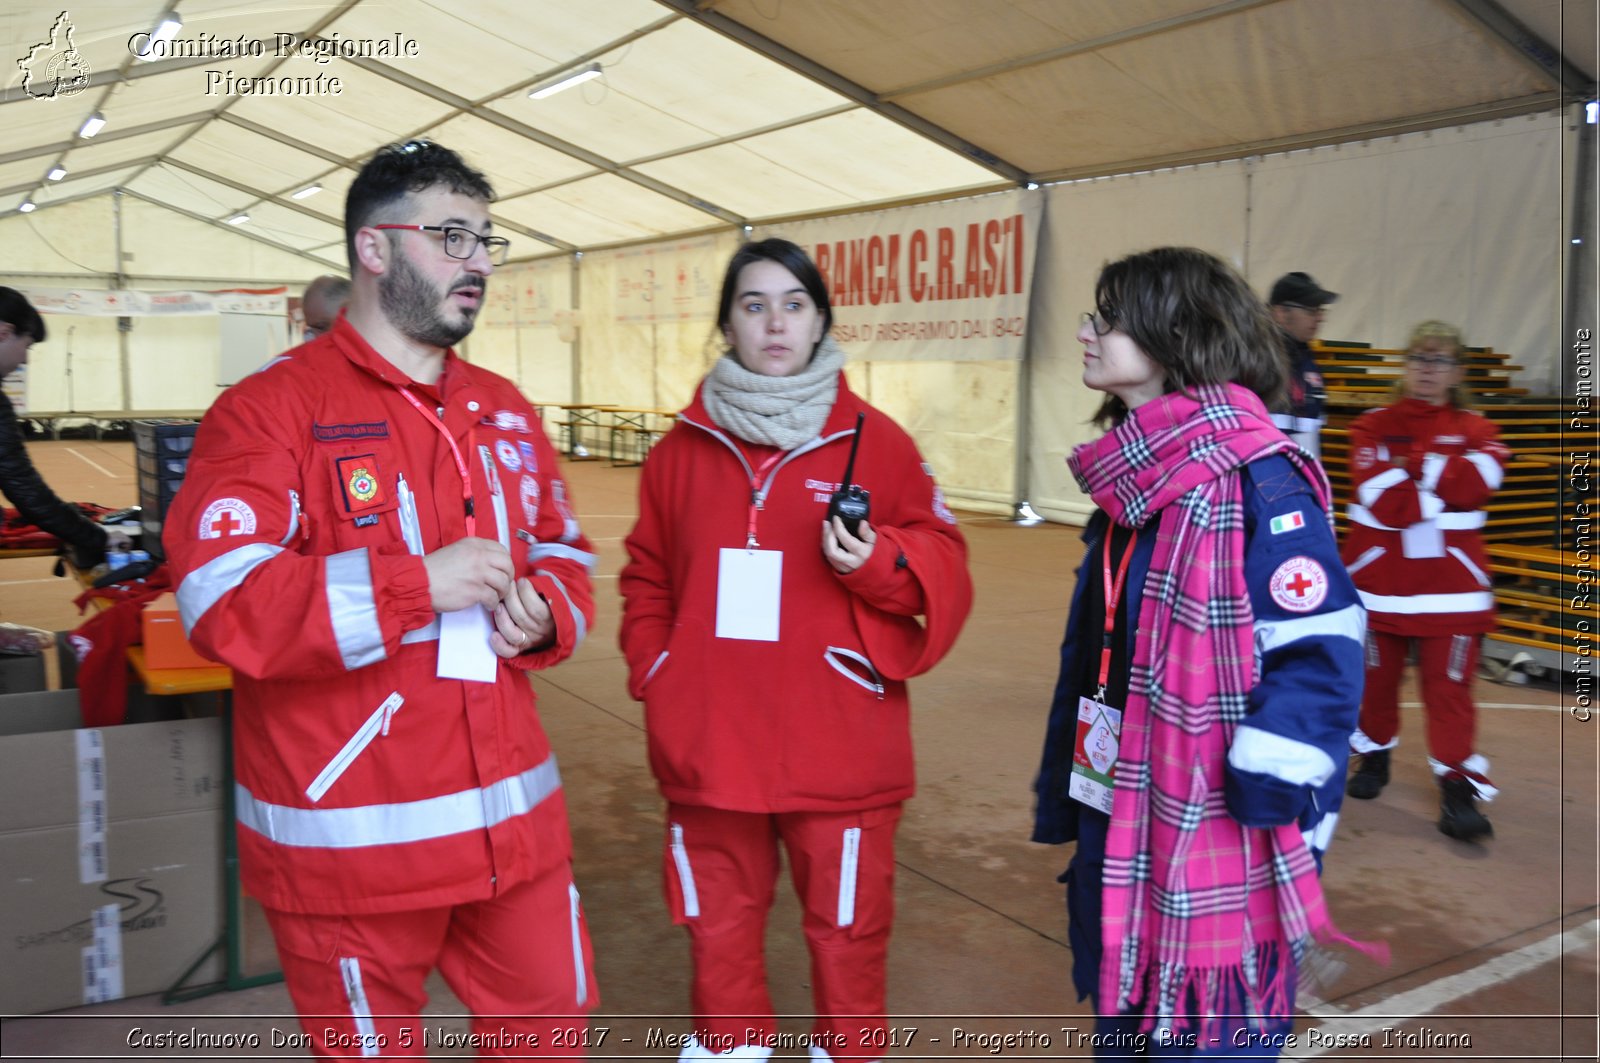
[
  {"x": 368, "y": 521},
  {"x": 507, "y": 421},
  {"x": 361, "y": 482},
  {"x": 1299, "y": 585},
  {"x": 530, "y": 461},
  {"x": 1287, "y": 522},
  {"x": 507, "y": 453},
  {"x": 227, "y": 516},
  {"x": 331, "y": 433},
  {"x": 1364, "y": 458},
  {"x": 528, "y": 493}
]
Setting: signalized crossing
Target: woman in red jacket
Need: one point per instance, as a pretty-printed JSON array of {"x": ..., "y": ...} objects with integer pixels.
[
  {"x": 770, "y": 645},
  {"x": 1422, "y": 471}
]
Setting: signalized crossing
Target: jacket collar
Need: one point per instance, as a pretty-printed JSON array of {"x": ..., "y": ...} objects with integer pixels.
[{"x": 348, "y": 341}]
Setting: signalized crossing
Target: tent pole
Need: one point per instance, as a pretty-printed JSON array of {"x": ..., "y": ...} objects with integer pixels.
[
  {"x": 120, "y": 280},
  {"x": 1581, "y": 253}
]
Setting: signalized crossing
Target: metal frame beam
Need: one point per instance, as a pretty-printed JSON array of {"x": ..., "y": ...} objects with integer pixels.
[
  {"x": 1533, "y": 49},
  {"x": 235, "y": 230}
]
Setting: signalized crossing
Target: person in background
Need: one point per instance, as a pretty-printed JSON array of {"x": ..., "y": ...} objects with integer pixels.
[
  {"x": 324, "y": 297},
  {"x": 1196, "y": 744},
  {"x": 1298, "y": 306},
  {"x": 1421, "y": 471},
  {"x": 372, "y": 534},
  {"x": 770, "y": 644},
  {"x": 21, "y": 326}
]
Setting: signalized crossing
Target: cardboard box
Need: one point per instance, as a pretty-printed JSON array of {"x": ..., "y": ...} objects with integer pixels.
[
  {"x": 21, "y": 673},
  {"x": 111, "y": 850},
  {"x": 165, "y": 644}
]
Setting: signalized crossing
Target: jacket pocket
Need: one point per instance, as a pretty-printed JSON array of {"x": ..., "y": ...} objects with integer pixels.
[
  {"x": 854, "y": 667},
  {"x": 377, "y": 724}
]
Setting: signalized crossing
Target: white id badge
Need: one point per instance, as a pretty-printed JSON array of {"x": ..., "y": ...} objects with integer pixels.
[
  {"x": 1422, "y": 540},
  {"x": 464, "y": 650},
  {"x": 749, "y": 584},
  {"x": 1094, "y": 756}
]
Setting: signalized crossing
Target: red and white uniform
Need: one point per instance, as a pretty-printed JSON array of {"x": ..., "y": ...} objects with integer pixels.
[
  {"x": 1415, "y": 550},
  {"x": 806, "y": 738},
  {"x": 366, "y": 784}
]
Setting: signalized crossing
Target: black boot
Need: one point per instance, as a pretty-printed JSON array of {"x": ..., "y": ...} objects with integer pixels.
[
  {"x": 1458, "y": 811},
  {"x": 1371, "y": 777}
]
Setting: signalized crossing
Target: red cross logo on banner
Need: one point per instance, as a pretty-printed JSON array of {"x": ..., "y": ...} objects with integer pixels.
[
  {"x": 227, "y": 516},
  {"x": 1299, "y": 585}
]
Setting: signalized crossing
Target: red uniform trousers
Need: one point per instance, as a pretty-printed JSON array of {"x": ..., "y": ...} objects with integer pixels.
[
  {"x": 520, "y": 963},
  {"x": 720, "y": 869},
  {"x": 1445, "y": 665}
]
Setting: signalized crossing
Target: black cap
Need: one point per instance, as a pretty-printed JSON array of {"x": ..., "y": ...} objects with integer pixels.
[{"x": 1300, "y": 288}]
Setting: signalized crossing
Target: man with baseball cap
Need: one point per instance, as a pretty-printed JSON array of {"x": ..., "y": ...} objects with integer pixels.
[{"x": 1298, "y": 304}]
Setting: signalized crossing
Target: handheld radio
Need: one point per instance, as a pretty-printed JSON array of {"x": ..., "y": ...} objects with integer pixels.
[{"x": 851, "y": 503}]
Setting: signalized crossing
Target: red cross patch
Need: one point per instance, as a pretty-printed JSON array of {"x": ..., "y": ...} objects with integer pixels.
[
  {"x": 1299, "y": 585},
  {"x": 227, "y": 516}
]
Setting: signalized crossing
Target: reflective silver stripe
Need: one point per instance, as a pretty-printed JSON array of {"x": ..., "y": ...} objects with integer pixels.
[
  {"x": 1349, "y": 622},
  {"x": 1432, "y": 469},
  {"x": 1368, "y": 556},
  {"x": 352, "y": 610},
  {"x": 1265, "y": 753},
  {"x": 849, "y": 863},
  {"x": 539, "y": 551},
  {"x": 356, "y": 993},
  {"x": 1461, "y": 556},
  {"x": 1490, "y": 470},
  {"x": 1444, "y": 521},
  {"x": 406, "y": 821},
  {"x": 1478, "y": 764},
  {"x": 578, "y": 969},
  {"x": 654, "y": 668},
  {"x": 202, "y": 588},
  {"x": 422, "y": 634},
  {"x": 1368, "y": 492},
  {"x": 1360, "y": 743},
  {"x": 577, "y": 614},
  {"x": 1464, "y": 602},
  {"x": 680, "y": 862}
]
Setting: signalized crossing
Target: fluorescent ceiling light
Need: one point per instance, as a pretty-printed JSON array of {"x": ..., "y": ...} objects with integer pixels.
[
  {"x": 566, "y": 81},
  {"x": 307, "y": 192},
  {"x": 165, "y": 30},
  {"x": 26, "y": 206},
  {"x": 57, "y": 172},
  {"x": 92, "y": 125},
  {"x": 238, "y": 219}
]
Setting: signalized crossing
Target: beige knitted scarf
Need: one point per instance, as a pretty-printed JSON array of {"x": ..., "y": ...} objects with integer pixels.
[{"x": 778, "y": 411}]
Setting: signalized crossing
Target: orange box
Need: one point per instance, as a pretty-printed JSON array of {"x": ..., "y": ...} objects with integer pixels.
[{"x": 165, "y": 644}]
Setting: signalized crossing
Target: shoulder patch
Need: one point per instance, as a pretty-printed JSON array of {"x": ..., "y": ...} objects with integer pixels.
[
  {"x": 330, "y": 433},
  {"x": 1288, "y": 522},
  {"x": 1299, "y": 585},
  {"x": 227, "y": 516}
]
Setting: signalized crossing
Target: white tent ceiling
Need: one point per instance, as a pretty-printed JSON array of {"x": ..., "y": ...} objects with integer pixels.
[{"x": 722, "y": 112}]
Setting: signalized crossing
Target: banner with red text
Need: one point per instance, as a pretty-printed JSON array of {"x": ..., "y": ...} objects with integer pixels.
[
  {"x": 942, "y": 281},
  {"x": 127, "y": 302}
]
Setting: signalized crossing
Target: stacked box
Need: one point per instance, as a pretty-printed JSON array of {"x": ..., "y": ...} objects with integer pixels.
[{"x": 163, "y": 454}]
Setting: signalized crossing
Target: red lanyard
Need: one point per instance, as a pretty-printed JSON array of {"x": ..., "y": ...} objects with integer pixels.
[
  {"x": 755, "y": 497},
  {"x": 1113, "y": 596},
  {"x": 455, "y": 452}
]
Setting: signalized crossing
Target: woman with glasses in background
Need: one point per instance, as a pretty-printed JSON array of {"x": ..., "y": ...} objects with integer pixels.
[
  {"x": 1197, "y": 742},
  {"x": 1421, "y": 471}
]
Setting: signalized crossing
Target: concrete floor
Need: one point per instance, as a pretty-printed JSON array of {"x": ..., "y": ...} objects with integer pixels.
[{"x": 1493, "y": 947}]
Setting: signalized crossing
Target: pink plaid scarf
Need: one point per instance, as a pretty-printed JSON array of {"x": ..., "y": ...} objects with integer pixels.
[{"x": 1197, "y": 909}]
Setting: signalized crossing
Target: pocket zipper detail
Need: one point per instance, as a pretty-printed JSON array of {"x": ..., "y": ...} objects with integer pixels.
[
  {"x": 832, "y": 655},
  {"x": 497, "y": 496},
  {"x": 680, "y": 860},
  {"x": 377, "y": 723},
  {"x": 578, "y": 969}
]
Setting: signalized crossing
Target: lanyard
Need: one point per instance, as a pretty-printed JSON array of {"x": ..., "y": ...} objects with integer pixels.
[
  {"x": 455, "y": 452},
  {"x": 1113, "y": 596},
  {"x": 755, "y": 498}
]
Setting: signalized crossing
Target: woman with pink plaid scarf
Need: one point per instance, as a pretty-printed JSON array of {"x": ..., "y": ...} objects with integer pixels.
[{"x": 1210, "y": 674}]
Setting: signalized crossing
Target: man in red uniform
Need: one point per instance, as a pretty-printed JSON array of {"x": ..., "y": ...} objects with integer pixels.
[
  {"x": 368, "y": 534},
  {"x": 1422, "y": 471}
]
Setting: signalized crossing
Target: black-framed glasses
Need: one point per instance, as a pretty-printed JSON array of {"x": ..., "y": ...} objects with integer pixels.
[
  {"x": 463, "y": 243},
  {"x": 1097, "y": 321},
  {"x": 1431, "y": 361}
]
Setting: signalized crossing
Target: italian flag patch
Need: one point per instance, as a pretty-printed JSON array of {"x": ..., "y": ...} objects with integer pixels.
[{"x": 1287, "y": 522}]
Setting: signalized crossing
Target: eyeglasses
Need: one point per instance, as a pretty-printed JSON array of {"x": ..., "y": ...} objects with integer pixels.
[
  {"x": 1431, "y": 361},
  {"x": 1097, "y": 321},
  {"x": 463, "y": 243},
  {"x": 1319, "y": 311}
]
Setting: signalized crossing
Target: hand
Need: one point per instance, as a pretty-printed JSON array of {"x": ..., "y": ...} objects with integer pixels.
[
  {"x": 468, "y": 572},
  {"x": 844, "y": 551},
  {"x": 522, "y": 622}
]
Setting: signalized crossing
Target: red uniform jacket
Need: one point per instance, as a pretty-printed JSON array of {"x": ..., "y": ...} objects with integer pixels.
[
  {"x": 1414, "y": 546},
  {"x": 818, "y": 720},
  {"x": 365, "y": 783}
]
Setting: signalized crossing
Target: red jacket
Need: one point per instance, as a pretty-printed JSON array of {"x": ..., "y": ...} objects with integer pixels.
[
  {"x": 365, "y": 783},
  {"x": 818, "y": 720},
  {"x": 1437, "y": 583}
]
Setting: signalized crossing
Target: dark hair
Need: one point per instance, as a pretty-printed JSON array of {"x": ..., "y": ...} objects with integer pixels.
[
  {"x": 1194, "y": 316},
  {"x": 16, "y": 311},
  {"x": 790, "y": 256},
  {"x": 395, "y": 172}
]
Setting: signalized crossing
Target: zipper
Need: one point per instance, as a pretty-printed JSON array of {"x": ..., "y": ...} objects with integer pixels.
[
  {"x": 849, "y": 861},
  {"x": 578, "y": 968},
  {"x": 758, "y": 494},
  {"x": 654, "y": 668},
  {"x": 680, "y": 860},
  {"x": 377, "y": 723},
  {"x": 832, "y": 655},
  {"x": 497, "y": 496}
]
